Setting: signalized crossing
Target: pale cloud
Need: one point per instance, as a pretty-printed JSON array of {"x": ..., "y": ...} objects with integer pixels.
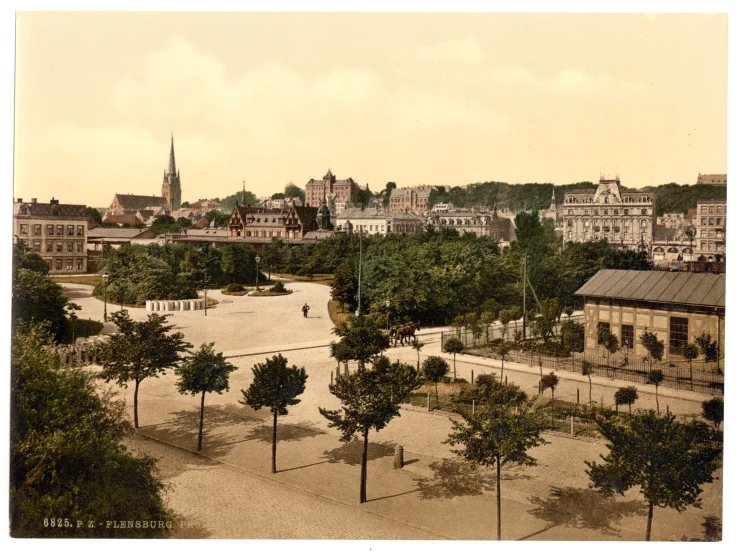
[
  {"x": 570, "y": 81},
  {"x": 464, "y": 50}
]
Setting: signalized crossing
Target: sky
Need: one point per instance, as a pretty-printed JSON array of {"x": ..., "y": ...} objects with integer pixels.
[{"x": 434, "y": 98}]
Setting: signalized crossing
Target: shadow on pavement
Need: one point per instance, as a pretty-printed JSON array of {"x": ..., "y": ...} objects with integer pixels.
[
  {"x": 453, "y": 478},
  {"x": 284, "y": 432},
  {"x": 351, "y": 452},
  {"x": 584, "y": 509}
]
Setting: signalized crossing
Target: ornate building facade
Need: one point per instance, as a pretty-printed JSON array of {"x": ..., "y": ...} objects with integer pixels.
[
  {"x": 478, "y": 221},
  {"x": 710, "y": 223},
  {"x": 623, "y": 218},
  {"x": 410, "y": 199},
  {"x": 378, "y": 220},
  {"x": 264, "y": 223},
  {"x": 57, "y": 232},
  {"x": 341, "y": 189}
]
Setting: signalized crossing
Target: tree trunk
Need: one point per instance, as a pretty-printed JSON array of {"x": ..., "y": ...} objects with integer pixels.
[
  {"x": 135, "y": 405},
  {"x": 552, "y": 406},
  {"x": 364, "y": 466},
  {"x": 202, "y": 420},
  {"x": 591, "y": 402},
  {"x": 437, "y": 398},
  {"x": 657, "y": 402},
  {"x": 454, "y": 367},
  {"x": 498, "y": 499},
  {"x": 205, "y": 301},
  {"x": 501, "y": 378},
  {"x": 273, "y": 446},
  {"x": 690, "y": 372},
  {"x": 649, "y": 521},
  {"x": 616, "y": 408}
]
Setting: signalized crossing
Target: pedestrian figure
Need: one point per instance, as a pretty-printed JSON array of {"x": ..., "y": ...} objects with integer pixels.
[{"x": 305, "y": 309}]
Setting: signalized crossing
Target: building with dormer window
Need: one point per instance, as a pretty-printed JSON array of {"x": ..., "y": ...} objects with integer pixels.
[{"x": 624, "y": 218}]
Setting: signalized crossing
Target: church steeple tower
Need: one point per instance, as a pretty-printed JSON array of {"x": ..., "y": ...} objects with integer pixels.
[{"x": 171, "y": 187}]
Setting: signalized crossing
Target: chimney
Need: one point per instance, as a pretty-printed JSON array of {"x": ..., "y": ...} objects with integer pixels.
[
  {"x": 20, "y": 200},
  {"x": 33, "y": 200},
  {"x": 53, "y": 201}
]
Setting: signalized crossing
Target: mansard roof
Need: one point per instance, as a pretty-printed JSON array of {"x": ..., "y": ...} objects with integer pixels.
[
  {"x": 52, "y": 209},
  {"x": 139, "y": 202}
]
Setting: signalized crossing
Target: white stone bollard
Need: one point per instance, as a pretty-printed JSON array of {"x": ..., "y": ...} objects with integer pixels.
[{"x": 149, "y": 305}]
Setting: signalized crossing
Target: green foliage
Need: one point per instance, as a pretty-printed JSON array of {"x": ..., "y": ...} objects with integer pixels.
[
  {"x": 228, "y": 203},
  {"x": 572, "y": 336},
  {"x": 235, "y": 287},
  {"x": 434, "y": 368},
  {"x": 713, "y": 410},
  {"x": 501, "y": 432},
  {"x": 82, "y": 328},
  {"x": 360, "y": 339},
  {"x": 36, "y": 297},
  {"x": 626, "y": 396},
  {"x": 667, "y": 460},
  {"x": 24, "y": 258},
  {"x": 549, "y": 381},
  {"x": 275, "y": 385},
  {"x": 690, "y": 351},
  {"x": 140, "y": 350},
  {"x": 454, "y": 346},
  {"x": 204, "y": 371},
  {"x": 66, "y": 458},
  {"x": 279, "y": 287},
  {"x": 654, "y": 347},
  {"x": 94, "y": 217},
  {"x": 293, "y": 191},
  {"x": 708, "y": 347}
]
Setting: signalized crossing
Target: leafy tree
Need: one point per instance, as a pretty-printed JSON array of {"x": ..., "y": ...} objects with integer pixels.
[
  {"x": 293, "y": 191},
  {"x": 66, "y": 455},
  {"x": 708, "y": 347},
  {"x": 713, "y": 410},
  {"x": 360, "y": 339},
  {"x": 454, "y": 346},
  {"x": 550, "y": 381},
  {"x": 345, "y": 286},
  {"x": 434, "y": 368},
  {"x": 667, "y": 460},
  {"x": 275, "y": 386},
  {"x": 549, "y": 313},
  {"x": 25, "y": 258},
  {"x": 71, "y": 311},
  {"x": 505, "y": 316},
  {"x": 503, "y": 349},
  {"x": 277, "y": 196},
  {"x": 37, "y": 298},
  {"x": 185, "y": 204},
  {"x": 205, "y": 371},
  {"x": 486, "y": 319},
  {"x": 655, "y": 348},
  {"x": 572, "y": 336},
  {"x": 611, "y": 345},
  {"x": 625, "y": 395},
  {"x": 140, "y": 350},
  {"x": 497, "y": 435},
  {"x": 588, "y": 370},
  {"x": 94, "y": 218},
  {"x": 568, "y": 310},
  {"x": 370, "y": 399},
  {"x": 656, "y": 377},
  {"x": 690, "y": 352}
]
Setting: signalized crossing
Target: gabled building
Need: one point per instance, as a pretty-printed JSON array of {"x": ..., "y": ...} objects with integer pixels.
[
  {"x": 712, "y": 179},
  {"x": 410, "y": 199},
  {"x": 479, "y": 221},
  {"x": 342, "y": 190},
  {"x": 378, "y": 220},
  {"x": 293, "y": 223}
]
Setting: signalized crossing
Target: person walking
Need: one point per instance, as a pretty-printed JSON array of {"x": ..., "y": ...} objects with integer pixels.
[{"x": 305, "y": 309}]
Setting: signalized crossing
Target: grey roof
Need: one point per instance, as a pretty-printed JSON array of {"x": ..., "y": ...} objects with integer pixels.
[
  {"x": 51, "y": 209},
  {"x": 114, "y": 233},
  {"x": 373, "y": 213},
  {"x": 696, "y": 289},
  {"x": 664, "y": 235}
]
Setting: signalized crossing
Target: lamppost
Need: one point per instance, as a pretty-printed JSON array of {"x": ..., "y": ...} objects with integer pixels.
[
  {"x": 258, "y": 259},
  {"x": 386, "y": 303},
  {"x": 104, "y": 295}
]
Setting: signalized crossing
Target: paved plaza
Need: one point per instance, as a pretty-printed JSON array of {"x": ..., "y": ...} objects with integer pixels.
[{"x": 435, "y": 496}]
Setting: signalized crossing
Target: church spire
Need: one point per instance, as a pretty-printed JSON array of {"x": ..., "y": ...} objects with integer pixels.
[
  {"x": 172, "y": 165},
  {"x": 243, "y": 195}
]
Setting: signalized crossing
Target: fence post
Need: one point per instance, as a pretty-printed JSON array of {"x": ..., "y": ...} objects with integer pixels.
[
  {"x": 578, "y": 396},
  {"x": 331, "y": 377},
  {"x": 506, "y": 377},
  {"x": 473, "y": 407},
  {"x": 572, "y": 433},
  {"x": 472, "y": 376},
  {"x": 428, "y": 401}
]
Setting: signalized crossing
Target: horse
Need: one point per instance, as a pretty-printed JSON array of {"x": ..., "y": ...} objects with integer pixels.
[{"x": 406, "y": 331}]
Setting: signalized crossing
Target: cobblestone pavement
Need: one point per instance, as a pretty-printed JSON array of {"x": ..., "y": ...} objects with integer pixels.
[{"x": 316, "y": 488}]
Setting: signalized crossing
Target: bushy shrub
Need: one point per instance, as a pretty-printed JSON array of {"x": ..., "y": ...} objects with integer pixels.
[
  {"x": 235, "y": 287},
  {"x": 279, "y": 287}
]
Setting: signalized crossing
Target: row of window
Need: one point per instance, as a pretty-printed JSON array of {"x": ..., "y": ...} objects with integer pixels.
[
  {"x": 51, "y": 228},
  {"x": 59, "y": 246},
  {"x": 678, "y": 334},
  {"x": 615, "y": 236},
  {"x": 708, "y": 246},
  {"x": 605, "y": 211},
  {"x": 606, "y": 223},
  {"x": 711, "y": 221},
  {"x": 711, "y": 234},
  {"x": 590, "y": 200},
  {"x": 710, "y": 209},
  {"x": 67, "y": 263}
]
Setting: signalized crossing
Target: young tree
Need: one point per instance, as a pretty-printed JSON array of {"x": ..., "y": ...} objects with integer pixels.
[
  {"x": 486, "y": 320},
  {"x": 708, "y": 347},
  {"x": 66, "y": 454},
  {"x": 205, "y": 371},
  {"x": 550, "y": 381},
  {"x": 656, "y": 377},
  {"x": 611, "y": 345},
  {"x": 690, "y": 352},
  {"x": 588, "y": 370},
  {"x": 71, "y": 311},
  {"x": 417, "y": 345},
  {"x": 572, "y": 336},
  {"x": 370, "y": 399},
  {"x": 625, "y": 395},
  {"x": 454, "y": 346},
  {"x": 497, "y": 435},
  {"x": 503, "y": 349},
  {"x": 434, "y": 368},
  {"x": 655, "y": 348},
  {"x": 668, "y": 460},
  {"x": 713, "y": 410},
  {"x": 568, "y": 310},
  {"x": 36, "y": 297},
  {"x": 140, "y": 350},
  {"x": 505, "y": 316},
  {"x": 275, "y": 386},
  {"x": 361, "y": 339}
]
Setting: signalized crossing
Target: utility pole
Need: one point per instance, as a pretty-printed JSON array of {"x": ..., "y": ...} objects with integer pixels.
[
  {"x": 524, "y": 297},
  {"x": 360, "y": 263}
]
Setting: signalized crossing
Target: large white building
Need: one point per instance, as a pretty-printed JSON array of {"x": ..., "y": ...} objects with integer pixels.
[
  {"x": 377, "y": 220},
  {"x": 710, "y": 223},
  {"x": 623, "y": 218}
]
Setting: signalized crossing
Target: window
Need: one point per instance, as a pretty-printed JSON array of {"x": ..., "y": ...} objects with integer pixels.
[
  {"x": 570, "y": 234},
  {"x": 596, "y": 212},
  {"x": 703, "y": 221},
  {"x": 719, "y": 209},
  {"x": 60, "y": 247},
  {"x": 49, "y": 246},
  {"x": 626, "y": 212},
  {"x": 711, "y": 209},
  {"x": 601, "y": 328},
  {"x": 643, "y": 211},
  {"x": 703, "y": 209},
  {"x": 37, "y": 230},
  {"x": 79, "y": 246},
  {"x": 585, "y": 212},
  {"x": 80, "y": 230},
  {"x": 711, "y": 234},
  {"x": 60, "y": 231},
  {"x": 678, "y": 332},
  {"x": 711, "y": 221},
  {"x": 23, "y": 228},
  {"x": 703, "y": 233},
  {"x": 643, "y": 223},
  {"x": 70, "y": 264},
  {"x": 570, "y": 212},
  {"x": 719, "y": 220},
  {"x": 49, "y": 229},
  {"x": 616, "y": 212},
  {"x": 628, "y": 336},
  {"x": 70, "y": 230},
  {"x": 79, "y": 264},
  {"x": 37, "y": 246},
  {"x": 58, "y": 264}
]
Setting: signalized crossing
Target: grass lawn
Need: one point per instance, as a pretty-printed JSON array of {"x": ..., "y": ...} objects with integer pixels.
[
  {"x": 82, "y": 328},
  {"x": 93, "y": 280},
  {"x": 320, "y": 278},
  {"x": 337, "y": 315},
  {"x": 239, "y": 293},
  {"x": 269, "y": 293}
]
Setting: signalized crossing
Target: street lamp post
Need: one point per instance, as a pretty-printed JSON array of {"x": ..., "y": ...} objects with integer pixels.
[
  {"x": 258, "y": 259},
  {"x": 104, "y": 296}
]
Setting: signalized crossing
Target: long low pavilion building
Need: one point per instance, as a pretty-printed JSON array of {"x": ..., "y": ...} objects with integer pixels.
[{"x": 676, "y": 306}]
